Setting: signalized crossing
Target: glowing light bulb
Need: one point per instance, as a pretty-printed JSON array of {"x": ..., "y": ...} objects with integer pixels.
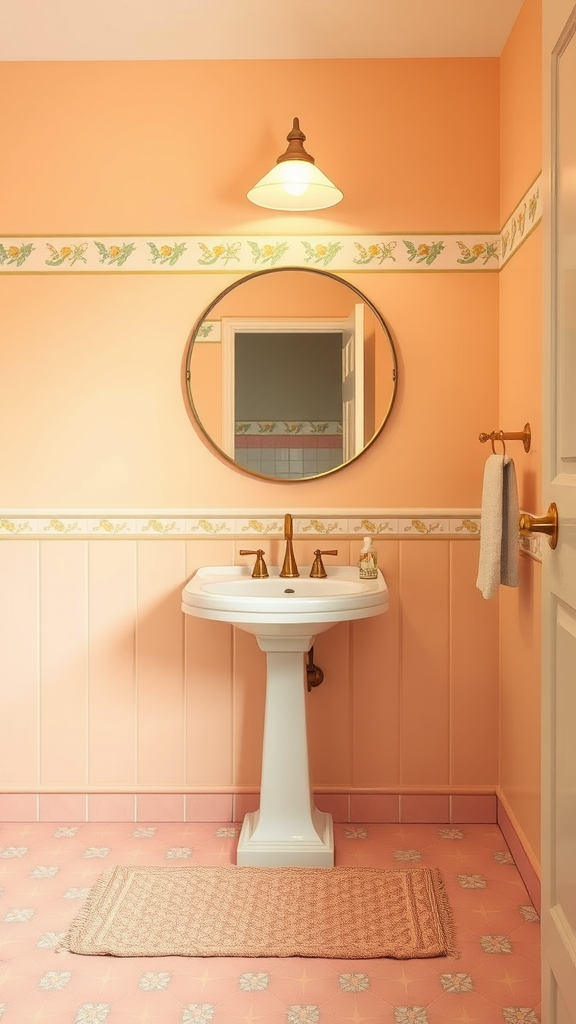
[
  {"x": 295, "y": 190},
  {"x": 296, "y": 180}
]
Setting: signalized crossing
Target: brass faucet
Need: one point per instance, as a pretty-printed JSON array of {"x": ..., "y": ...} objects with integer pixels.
[
  {"x": 318, "y": 572},
  {"x": 289, "y": 568},
  {"x": 259, "y": 572}
]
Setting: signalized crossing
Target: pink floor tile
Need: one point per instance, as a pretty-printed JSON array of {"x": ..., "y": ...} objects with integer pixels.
[
  {"x": 15, "y": 977},
  {"x": 361, "y": 1005},
  {"x": 106, "y": 979},
  {"x": 52, "y": 1007},
  {"x": 468, "y": 1006},
  {"x": 406, "y": 982},
  {"x": 46, "y": 870},
  {"x": 262, "y": 1010},
  {"x": 307, "y": 981},
  {"x": 527, "y": 951},
  {"x": 152, "y": 1006},
  {"x": 251, "y": 1005},
  {"x": 517, "y": 984},
  {"x": 529, "y": 931},
  {"x": 205, "y": 980}
]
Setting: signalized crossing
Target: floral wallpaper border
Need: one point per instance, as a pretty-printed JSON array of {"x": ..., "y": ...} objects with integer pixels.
[
  {"x": 402, "y": 523},
  {"x": 419, "y": 524},
  {"x": 303, "y": 428},
  {"x": 524, "y": 218},
  {"x": 399, "y": 251}
]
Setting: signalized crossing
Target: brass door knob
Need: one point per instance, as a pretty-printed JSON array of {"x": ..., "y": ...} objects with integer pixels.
[{"x": 547, "y": 524}]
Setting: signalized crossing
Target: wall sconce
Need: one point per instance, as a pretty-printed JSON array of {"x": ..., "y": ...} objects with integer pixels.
[{"x": 295, "y": 183}]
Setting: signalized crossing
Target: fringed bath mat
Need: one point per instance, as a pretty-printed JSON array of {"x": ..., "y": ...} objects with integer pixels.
[{"x": 346, "y": 913}]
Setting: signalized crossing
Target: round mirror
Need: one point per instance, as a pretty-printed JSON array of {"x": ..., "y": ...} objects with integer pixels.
[{"x": 291, "y": 373}]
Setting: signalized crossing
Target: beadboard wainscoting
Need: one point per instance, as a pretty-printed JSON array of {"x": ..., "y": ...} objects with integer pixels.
[{"x": 110, "y": 693}]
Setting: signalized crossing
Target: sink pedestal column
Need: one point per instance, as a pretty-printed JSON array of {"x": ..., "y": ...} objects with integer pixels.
[{"x": 287, "y": 830}]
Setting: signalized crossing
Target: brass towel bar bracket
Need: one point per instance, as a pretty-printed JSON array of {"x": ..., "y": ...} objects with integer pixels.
[
  {"x": 509, "y": 435},
  {"x": 527, "y": 524},
  {"x": 547, "y": 524}
]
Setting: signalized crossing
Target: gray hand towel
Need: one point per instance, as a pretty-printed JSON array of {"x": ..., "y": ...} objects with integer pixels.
[{"x": 499, "y": 529}]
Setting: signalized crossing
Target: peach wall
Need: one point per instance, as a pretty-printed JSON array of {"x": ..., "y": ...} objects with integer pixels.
[
  {"x": 93, "y": 398},
  {"x": 521, "y": 107},
  {"x": 520, "y": 401},
  {"x": 154, "y": 147},
  {"x": 112, "y": 687}
]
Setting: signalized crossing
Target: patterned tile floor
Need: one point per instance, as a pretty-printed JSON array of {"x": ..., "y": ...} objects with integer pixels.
[{"x": 47, "y": 869}]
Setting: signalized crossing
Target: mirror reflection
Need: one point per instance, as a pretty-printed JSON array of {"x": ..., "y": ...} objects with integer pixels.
[{"x": 291, "y": 373}]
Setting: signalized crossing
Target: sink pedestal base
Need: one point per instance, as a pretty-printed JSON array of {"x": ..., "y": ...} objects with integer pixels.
[
  {"x": 287, "y": 830},
  {"x": 316, "y": 852}
]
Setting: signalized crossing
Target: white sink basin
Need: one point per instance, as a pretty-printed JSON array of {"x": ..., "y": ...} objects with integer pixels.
[
  {"x": 285, "y": 615},
  {"x": 274, "y": 606}
]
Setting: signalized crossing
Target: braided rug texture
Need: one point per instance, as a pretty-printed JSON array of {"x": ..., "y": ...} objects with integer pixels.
[{"x": 343, "y": 912}]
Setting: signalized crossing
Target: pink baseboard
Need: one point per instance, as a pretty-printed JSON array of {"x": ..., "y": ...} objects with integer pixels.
[
  {"x": 520, "y": 850},
  {"x": 345, "y": 806}
]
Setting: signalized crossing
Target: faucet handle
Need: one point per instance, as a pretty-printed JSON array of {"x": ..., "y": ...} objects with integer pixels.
[
  {"x": 259, "y": 572},
  {"x": 318, "y": 572}
]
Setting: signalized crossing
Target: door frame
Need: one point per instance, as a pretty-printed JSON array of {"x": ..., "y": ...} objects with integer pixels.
[{"x": 232, "y": 325}]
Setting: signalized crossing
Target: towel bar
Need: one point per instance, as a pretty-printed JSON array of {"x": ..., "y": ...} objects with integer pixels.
[
  {"x": 515, "y": 435},
  {"x": 547, "y": 524}
]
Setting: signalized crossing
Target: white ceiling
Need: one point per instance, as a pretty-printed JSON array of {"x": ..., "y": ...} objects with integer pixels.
[{"x": 252, "y": 29}]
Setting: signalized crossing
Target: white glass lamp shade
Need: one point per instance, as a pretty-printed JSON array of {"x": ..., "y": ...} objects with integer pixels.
[{"x": 295, "y": 185}]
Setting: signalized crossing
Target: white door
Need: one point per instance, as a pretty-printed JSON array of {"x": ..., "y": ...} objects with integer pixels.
[
  {"x": 559, "y": 485},
  {"x": 353, "y": 383}
]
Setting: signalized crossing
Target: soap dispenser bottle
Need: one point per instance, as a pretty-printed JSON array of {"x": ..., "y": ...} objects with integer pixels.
[{"x": 368, "y": 564}]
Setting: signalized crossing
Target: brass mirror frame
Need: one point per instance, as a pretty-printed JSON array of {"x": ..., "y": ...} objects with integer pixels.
[{"x": 188, "y": 376}]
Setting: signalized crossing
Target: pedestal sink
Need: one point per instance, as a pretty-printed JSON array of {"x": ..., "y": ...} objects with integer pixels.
[{"x": 285, "y": 615}]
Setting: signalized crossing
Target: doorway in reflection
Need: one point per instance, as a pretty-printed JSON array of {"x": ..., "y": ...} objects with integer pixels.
[{"x": 288, "y": 403}]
